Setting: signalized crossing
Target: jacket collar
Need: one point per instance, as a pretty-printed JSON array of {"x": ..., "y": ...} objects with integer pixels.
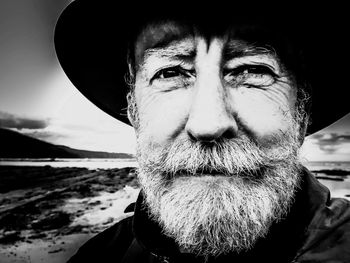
[{"x": 310, "y": 197}]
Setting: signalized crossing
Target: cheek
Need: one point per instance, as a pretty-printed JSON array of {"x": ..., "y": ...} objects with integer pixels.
[
  {"x": 264, "y": 113},
  {"x": 163, "y": 115}
]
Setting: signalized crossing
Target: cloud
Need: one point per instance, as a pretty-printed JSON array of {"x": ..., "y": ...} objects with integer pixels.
[
  {"x": 331, "y": 142},
  {"x": 44, "y": 135},
  {"x": 8, "y": 120}
]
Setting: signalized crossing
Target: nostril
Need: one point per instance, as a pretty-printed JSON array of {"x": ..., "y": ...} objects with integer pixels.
[
  {"x": 192, "y": 137},
  {"x": 229, "y": 134}
]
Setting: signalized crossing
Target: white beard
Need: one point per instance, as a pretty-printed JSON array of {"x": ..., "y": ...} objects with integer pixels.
[{"x": 216, "y": 214}]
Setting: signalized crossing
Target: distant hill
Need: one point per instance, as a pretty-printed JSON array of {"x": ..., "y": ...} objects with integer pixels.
[{"x": 16, "y": 145}]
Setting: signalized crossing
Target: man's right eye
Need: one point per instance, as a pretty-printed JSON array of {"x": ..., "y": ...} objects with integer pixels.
[
  {"x": 168, "y": 73},
  {"x": 171, "y": 72}
]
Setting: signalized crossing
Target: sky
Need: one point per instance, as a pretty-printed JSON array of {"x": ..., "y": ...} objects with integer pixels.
[{"x": 37, "y": 99}]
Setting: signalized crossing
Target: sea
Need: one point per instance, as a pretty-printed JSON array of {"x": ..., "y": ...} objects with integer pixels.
[
  {"x": 313, "y": 166},
  {"x": 339, "y": 186},
  {"x": 89, "y": 163}
]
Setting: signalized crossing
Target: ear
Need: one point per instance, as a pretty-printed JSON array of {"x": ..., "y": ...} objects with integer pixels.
[
  {"x": 132, "y": 109},
  {"x": 303, "y": 129},
  {"x": 307, "y": 120}
]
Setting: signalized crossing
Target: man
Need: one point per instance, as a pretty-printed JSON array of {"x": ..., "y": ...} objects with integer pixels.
[{"x": 220, "y": 110}]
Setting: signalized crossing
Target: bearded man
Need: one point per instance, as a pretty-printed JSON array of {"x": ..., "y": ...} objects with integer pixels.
[{"x": 220, "y": 110}]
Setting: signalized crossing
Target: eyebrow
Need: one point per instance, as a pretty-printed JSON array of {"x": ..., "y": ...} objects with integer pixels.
[
  {"x": 173, "y": 50},
  {"x": 235, "y": 49}
]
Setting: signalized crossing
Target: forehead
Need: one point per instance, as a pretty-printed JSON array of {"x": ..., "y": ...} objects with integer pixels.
[
  {"x": 238, "y": 38},
  {"x": 158, "y": 35}
]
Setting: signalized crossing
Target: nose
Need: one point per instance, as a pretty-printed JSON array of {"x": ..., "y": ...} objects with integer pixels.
[{"x": 210, "y": 117}]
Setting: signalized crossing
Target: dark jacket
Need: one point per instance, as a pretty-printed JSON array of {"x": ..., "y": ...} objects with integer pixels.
[{"x": 317, "y": 229}]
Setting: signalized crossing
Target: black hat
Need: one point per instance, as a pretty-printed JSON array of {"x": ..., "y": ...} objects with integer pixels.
[{"x": 92, "y": 39}]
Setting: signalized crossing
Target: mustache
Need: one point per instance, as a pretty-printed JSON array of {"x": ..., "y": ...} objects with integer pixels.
[
  {"x": 211, "y": 171},
  {"x": 230, "y": 157}
]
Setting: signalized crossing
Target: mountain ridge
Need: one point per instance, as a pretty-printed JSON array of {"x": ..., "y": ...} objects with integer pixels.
[{"x": 16, "y": 145}]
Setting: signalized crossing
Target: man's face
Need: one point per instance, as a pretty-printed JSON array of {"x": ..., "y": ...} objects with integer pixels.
[
  {"x": 188, "y": 86},
  {"x": 217, "y": 135}
]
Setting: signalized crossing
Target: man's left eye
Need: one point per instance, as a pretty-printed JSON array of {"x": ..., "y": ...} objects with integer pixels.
[{"x": 251, "y": 75}]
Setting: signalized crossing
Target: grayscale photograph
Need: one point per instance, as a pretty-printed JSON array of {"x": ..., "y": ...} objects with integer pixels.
[{"x": 174, "y": 132}]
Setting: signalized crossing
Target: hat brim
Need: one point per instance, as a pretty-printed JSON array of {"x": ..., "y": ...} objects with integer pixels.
[{"x": 91, "y": 44}]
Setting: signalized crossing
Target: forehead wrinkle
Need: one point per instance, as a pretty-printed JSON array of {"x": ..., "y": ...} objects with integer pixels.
[{"x": 172, "y": 51}]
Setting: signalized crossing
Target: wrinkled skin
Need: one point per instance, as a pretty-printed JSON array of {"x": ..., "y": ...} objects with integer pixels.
[{"x": 197, "y": 92}]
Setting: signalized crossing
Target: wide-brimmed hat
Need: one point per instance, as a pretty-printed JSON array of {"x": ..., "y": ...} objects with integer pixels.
[{"x": 92, "y": 39}]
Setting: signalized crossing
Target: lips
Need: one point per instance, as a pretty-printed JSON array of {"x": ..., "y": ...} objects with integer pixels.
[{"x": 198, "y": 172}]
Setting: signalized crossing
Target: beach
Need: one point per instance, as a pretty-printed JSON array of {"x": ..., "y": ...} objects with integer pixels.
[{"x": 47, "y": 212}]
